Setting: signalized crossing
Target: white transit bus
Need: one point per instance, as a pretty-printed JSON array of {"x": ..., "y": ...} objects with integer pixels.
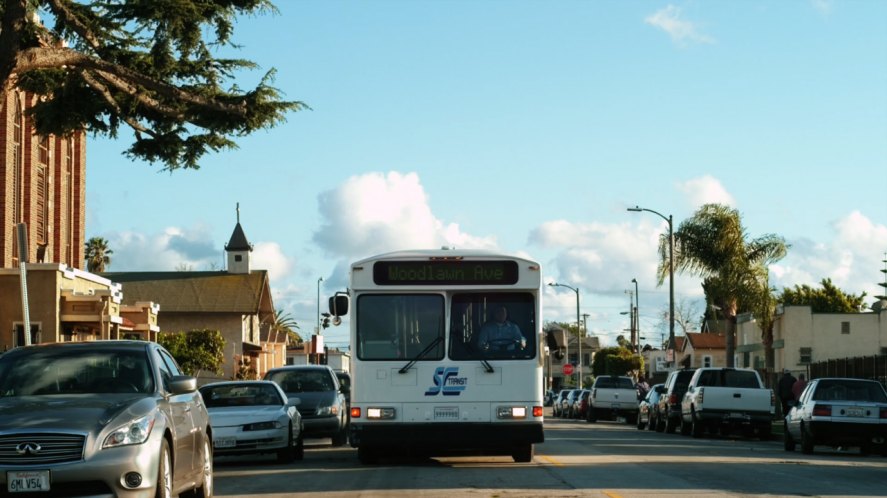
[{"x": 446, "y": 353}]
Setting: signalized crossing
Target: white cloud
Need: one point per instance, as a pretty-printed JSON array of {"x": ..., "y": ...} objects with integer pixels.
[
  {"x": 269, "y": 256},
  {"x": 680, "y": 30},
  {"x": 166, "y": 251},
  {"x": 824, "y": 7},
  {"x": 706, "y": 190},
  {"x": 603, "y": 258},
  {"x": 852, "y": 259},
  {"x": 375, "y": 213}
]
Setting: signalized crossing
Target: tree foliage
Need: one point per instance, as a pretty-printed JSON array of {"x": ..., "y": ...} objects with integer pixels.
[
  {"x": 196, "y": 350},
  {"x": 828, "y": 299},
  {"x": 615, "y": 361},
  {"x": 98, "y": 254},
  {"x": 147, "y": 65}
]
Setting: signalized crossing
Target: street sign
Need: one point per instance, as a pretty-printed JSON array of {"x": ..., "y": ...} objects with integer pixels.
[{"x": 568, "y": 369}]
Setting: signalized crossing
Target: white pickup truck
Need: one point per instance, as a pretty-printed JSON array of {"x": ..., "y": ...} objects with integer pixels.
[
  {"x": 613, "y": 397},
  {"x": 725, "y": 400}
]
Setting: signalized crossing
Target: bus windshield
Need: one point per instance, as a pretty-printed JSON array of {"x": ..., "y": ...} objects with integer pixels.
[
  {"x": 498, "y": 326},
  {"x": 400, "y": 326}
]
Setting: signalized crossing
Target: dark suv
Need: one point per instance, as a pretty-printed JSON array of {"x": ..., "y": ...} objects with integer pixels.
[
  {"x": 669, "y": 408},
  {"x": 322, "y": 402}
]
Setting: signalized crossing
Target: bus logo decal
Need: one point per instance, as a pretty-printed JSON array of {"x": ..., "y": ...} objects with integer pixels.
[{"x": 447, "y": 381}]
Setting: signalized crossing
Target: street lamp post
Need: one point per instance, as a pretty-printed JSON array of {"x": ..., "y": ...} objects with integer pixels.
[
  {"x": 637, "y": 318},
  {"x": 671, "y": 341},
  {"x": 578, "y": 326},
  {"x": 317, "y": 329}
]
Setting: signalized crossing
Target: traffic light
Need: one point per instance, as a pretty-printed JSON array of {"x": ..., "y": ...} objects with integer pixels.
[
  {"x": 557, "y": 342},
  {"x": 326, "y": 320}
]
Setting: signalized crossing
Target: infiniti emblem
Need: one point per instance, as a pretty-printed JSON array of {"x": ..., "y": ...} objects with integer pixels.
[{"x": 27, "y": 449}]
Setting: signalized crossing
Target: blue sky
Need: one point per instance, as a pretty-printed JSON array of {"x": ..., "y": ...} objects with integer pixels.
[{"x": 530, "y": 127}]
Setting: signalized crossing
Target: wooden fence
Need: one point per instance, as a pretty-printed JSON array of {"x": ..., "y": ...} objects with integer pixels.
[{"x": 861, "y": 367}]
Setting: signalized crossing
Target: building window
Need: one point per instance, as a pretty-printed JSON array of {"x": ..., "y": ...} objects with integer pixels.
[
  {"x": 238, "y": 257},
  {"x": 706, "y": 361},
  {"x": 806, "y": 356},
  {"x": 746, "y": 360},
  {"x": 845, "y": 327},
  {"x": 586, "y": 360}
]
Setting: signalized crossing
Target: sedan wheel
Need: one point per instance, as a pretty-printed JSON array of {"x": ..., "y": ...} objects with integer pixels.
[
  {"x": 806, "y": 441},
  {"x": 206, "y": 489},
  {"x": 299, "y": 453},
  {"x": 288, "y": 454},
  {"x": 164, "y": 472},
  {"x": 787, "y": 442}
]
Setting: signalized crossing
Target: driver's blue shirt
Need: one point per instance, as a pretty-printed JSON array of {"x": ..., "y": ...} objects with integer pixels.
[{"x": 493, "y": 331}]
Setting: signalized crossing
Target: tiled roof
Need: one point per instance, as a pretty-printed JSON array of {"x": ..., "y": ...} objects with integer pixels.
[
  {"x": 195, "y": 291},
  {"x": 707, "y": 341}
]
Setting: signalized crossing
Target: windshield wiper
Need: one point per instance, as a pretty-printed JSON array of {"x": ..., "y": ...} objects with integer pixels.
[
  {"x": 421, "y": 354},
  {"x": 483, "y": 360}
]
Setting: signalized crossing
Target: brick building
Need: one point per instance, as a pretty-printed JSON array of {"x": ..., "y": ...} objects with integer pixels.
[{"x": 42, "y": 181}]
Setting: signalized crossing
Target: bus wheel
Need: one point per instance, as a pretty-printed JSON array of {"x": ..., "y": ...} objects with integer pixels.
[
  {"x": 523, "y": 454},
  {"x": 367, "y": 455}
]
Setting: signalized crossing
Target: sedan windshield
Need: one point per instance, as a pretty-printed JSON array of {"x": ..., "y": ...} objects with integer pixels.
[
  {"x": 54, "y": 372},
  {"x": 227, "y": 395}
]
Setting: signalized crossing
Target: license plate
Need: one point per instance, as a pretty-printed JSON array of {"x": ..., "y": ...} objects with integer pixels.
[
  {"x": 737, "y": 415},
  {"x": 446, "y": 413},
  {"x": 27, "y": 481},
  {"x": 854, "y": 412},
  {"x": 225, "y": 442}
]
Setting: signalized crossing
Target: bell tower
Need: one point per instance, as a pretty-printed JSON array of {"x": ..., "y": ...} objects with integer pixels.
[{"x": 238, "y": 249}]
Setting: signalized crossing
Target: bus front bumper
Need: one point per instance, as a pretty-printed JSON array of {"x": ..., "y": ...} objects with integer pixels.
[{"x": 453, "y": 436}]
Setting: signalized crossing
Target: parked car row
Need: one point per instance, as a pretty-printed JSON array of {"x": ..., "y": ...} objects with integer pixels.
[{"x": 834, "y": 412}]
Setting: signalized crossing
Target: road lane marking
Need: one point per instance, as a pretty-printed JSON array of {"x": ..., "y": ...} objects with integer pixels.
[
  {"x": 612, "y": 494},
  {"x": 551, "y": 460}
]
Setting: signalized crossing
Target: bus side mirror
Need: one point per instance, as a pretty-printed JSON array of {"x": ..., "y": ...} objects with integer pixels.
[{"x": 339, "y": 304}]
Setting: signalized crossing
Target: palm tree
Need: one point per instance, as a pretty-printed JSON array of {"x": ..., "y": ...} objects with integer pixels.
[
  {"x": 98, "y": 255},
  {"x": 283, "y": 322},
  {"x": 713, "y": 245}
]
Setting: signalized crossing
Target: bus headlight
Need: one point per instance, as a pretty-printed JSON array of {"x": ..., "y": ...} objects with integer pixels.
[
  {"x": 386, "y": 413},
  {"x": 511, "y": 412}
]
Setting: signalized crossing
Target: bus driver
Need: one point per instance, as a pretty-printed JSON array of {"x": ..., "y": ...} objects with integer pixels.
[{"x": 501, "y": 334}]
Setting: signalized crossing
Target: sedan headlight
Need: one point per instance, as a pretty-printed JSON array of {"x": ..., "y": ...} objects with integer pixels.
[
  {"x": 262, "y": 426},
  {"x": 134, "y": 432},
  {"x": 323, "y": 411}
]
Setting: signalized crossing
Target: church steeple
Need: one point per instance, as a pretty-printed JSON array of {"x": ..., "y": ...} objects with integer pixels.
[{"x": 238, "y": 249}]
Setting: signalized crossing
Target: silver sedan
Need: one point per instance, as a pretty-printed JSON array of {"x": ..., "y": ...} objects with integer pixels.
[
  {"x": 104, "y": 418},
  {"x": 254, "y": 416}
]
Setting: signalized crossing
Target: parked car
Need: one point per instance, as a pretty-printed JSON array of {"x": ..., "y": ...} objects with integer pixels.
[
  {"x": 728, "y": 400},
  {"x": 669, "y": 412},
  {"x": 839, "y": 412},
  {"x": 567, "y": 403},
  {"x": 580, "y": 405},
  {"x": 613, "y": 397},
  {"x": 114, "y": 418},
  {"x": 254, "y": 416},
  {"x": 558, "y": 403},
  {"x": 648, "y": 407},
  {"x": 549, "y": 398},
  {"x": 322, "y": 402}
]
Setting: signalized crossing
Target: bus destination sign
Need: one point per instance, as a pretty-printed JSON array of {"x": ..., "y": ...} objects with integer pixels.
[{"x": 447, "y": 272}]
